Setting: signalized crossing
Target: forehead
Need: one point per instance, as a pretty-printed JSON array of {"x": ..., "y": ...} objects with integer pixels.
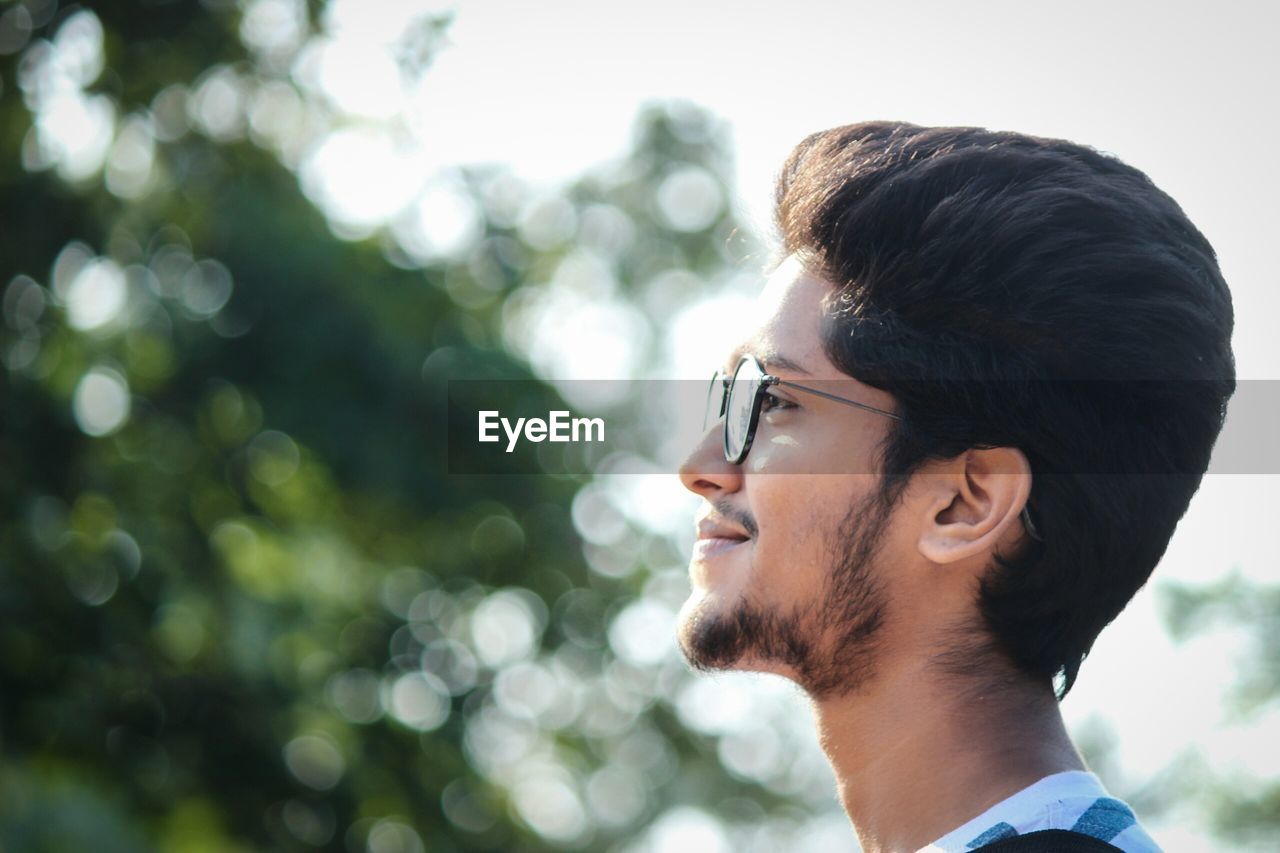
[{"x": 788, "y": 316}]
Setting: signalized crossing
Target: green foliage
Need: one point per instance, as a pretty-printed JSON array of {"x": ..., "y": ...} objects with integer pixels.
[
  {"x": 254, "y": 611},
  {"x": 1246, "y": 817}
]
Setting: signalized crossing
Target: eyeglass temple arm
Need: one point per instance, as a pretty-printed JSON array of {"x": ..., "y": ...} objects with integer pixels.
[
  {"x": 773, "y": 380},
  {"x": 1029, "y": 524}
]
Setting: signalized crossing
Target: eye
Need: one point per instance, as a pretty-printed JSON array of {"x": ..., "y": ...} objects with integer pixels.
[{"x": 772, "y": 402}]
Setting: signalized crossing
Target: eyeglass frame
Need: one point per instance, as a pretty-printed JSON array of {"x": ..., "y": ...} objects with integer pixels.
[{"x": 768, "y": 380}]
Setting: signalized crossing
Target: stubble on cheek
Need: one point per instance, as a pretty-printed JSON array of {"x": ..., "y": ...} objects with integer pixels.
[{"x": 855, "y": 603}]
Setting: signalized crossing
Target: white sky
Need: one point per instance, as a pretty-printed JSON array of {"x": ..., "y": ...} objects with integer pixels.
[{"x": 1184, "y": 92}]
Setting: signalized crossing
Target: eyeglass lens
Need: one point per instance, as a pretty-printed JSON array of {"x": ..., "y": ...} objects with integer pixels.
[
  {"x": 715, "y": 400},
  {"x": 739, "y": 408}
]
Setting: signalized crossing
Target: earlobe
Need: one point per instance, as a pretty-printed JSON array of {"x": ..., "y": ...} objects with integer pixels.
[{"x": 974, "y": 503}]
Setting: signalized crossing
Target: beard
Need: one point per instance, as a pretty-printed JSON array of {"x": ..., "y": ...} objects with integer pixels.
[{"x": 828, "y": 645}]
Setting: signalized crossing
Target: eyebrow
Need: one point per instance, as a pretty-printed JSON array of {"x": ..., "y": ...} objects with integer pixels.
[{"x": 770, "y": 360}]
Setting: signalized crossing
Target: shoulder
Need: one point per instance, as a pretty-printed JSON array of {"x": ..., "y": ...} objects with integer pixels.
[{"x": 1074, "y": 800}]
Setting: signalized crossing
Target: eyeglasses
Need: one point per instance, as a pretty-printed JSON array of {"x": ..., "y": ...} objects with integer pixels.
[
  {"x": 740, "y": 397},
  {"x": 739, "y": 401}
]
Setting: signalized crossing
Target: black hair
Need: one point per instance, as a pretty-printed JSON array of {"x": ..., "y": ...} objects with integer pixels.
[{"x": 1013, "y": 291}]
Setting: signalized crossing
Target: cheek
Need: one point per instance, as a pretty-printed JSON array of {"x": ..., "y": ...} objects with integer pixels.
[
  {"x": 810, "y": 445},
  {"x": 781, "y": 450},
  {"x": 795, "y": 517}
]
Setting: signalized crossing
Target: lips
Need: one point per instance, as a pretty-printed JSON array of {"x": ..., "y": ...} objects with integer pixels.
[
  {"x": 716, "y": 537},
  {"x": 715, "y": 528},
  {"x": 705, "y": 549}
]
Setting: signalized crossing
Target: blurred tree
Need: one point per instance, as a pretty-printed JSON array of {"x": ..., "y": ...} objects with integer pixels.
[
  {"x": 1240, "y": 811},
  {"x": 242, "y": 603}
]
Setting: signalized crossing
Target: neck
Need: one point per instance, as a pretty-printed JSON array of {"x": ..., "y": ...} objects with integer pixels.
[{"x": 917, "y": 756}]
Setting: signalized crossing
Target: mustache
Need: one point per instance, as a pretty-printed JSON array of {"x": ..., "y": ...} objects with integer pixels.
[{"x": 740, "y": 516}]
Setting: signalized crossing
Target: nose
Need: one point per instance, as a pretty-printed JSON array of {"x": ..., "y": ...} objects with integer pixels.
[{"x": 705, "y": 471}]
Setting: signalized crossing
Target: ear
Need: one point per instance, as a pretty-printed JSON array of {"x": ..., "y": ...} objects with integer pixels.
[{"x": 972, "y": 504}]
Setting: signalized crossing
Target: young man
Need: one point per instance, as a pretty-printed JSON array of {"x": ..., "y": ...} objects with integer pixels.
[{"x": 984, "y": 386}]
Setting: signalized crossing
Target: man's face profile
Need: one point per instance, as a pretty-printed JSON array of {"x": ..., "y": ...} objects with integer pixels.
[{"x": 800, "y": 589}]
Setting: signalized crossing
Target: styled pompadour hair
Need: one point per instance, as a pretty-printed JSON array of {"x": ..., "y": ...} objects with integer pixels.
[{"x": 1012, "y": 291}]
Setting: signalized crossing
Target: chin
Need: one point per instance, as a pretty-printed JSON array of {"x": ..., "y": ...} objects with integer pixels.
[
  {"x": 716, "y": 635},
  {"x": 697, "y": 627}
]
